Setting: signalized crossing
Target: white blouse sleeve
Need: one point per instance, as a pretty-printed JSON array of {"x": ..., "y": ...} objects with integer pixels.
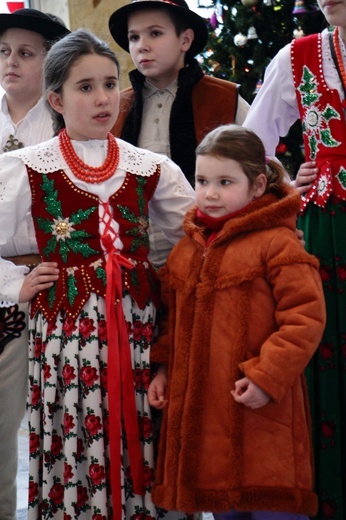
[
  {"x": 15, "y": 201},
  {"x": 173, "y": 197},
  {"x": 275, "y": 109}
]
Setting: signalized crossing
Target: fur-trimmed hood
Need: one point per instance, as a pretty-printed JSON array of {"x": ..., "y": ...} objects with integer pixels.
[
  {"x": 270, "y": 211},
  {"x": 250, "y": 303}
]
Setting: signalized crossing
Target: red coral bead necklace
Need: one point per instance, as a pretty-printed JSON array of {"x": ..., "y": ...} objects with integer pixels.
[{"x": 83, "y": 171}]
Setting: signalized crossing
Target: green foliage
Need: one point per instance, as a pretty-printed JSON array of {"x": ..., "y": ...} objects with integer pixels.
[{"x": 245, "y": 61}]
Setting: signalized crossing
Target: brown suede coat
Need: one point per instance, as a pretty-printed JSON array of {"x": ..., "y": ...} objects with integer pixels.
[{"x": 251, "y": 303}]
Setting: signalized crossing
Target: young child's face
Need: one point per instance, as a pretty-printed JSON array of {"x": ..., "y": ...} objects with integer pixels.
[
  {"x": 157, "y": 52},
  {"x": 89, "y": 101},
  {"x": 222, "y": 186},
  {"x": 21, "y": 60}
]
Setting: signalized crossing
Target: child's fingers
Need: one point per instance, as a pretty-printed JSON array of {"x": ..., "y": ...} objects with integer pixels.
[{"x": 157, "y": 402}]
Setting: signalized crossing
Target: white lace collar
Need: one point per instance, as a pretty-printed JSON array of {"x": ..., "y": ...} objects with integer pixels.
[{"x": 46, "y": 157}]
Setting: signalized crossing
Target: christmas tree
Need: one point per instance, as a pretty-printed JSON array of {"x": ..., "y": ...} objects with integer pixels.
[{"x": 244, "y": 35}]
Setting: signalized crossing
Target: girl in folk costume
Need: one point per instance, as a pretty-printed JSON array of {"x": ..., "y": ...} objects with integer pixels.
[
  {"x": 94, "y": 296},
  {"x": 307, "y": 80},
  {"x": 241, "y": 329}
]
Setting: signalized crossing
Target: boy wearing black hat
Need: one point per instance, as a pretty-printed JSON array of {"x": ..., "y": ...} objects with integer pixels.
[
  {"x": 25, "y": 37},
  {"x": 171, "y": 105}
]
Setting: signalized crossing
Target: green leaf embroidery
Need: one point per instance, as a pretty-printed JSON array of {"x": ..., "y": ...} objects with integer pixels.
[
  {"x": 71, "y": 289},
  {"x": 62, "y": 228},
  {"x": 51, "y": 295},
  {"x": 51, "y": 198},
  {"x": 317, "y": 118},
  {"x": 101, "y": 273},
  {"x": 341, "y": 176}
]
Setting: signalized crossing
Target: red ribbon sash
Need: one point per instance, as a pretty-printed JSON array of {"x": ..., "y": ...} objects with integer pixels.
[{"x": 120, "y": 381}]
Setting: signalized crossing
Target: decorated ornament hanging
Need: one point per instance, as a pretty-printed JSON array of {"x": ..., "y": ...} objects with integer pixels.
[
  {"x": 240, "y": 40},
  {"x": 299, "y": 7},
  {"x": 281, "y": 149},
  {"x": 258, "y": 86},
  {"x": 215, "y": 65},
  {"x": 249, "y": 3},
  {"x": 298, "y": 33},
  {"x": 252, "y": 34},
  {"x": 268, "y": 2},
  {"x": 213, "y": 21}
]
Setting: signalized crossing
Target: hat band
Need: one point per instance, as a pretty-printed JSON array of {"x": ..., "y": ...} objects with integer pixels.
[{"x": 163, "y": 1}]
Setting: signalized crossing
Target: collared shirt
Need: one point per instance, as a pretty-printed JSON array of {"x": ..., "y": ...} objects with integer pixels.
[
  {"x": 157, "y": 105},
  {"x": 34, "y": 128}
]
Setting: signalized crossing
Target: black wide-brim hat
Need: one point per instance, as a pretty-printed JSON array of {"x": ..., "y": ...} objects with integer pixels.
[
  {"x": 32, "y": 20},
  {"x": 118, "y": 21}
]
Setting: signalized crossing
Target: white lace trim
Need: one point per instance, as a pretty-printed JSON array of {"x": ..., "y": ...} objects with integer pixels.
[{"x": 46, "y": 157}]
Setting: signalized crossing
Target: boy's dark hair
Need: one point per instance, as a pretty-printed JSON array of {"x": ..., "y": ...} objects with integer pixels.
[{"x": 178, "y": 10}]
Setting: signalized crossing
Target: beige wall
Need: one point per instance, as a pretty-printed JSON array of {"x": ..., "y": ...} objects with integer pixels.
[
  {"x": 57, "y": 7},
  {"x": 95, "y": 14}
]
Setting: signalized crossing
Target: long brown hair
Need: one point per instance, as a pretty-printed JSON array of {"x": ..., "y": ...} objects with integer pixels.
[
  {"x": 61, "y": 58},
  {"x": 244, "y": 146}
]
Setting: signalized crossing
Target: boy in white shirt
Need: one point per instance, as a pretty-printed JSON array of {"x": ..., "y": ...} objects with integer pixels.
[{"x": 25, "y": 37}]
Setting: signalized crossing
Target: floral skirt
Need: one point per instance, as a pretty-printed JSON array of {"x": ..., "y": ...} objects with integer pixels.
[
  {"x": 324, "y": 233},
  {"x": 69, "y": 473}
]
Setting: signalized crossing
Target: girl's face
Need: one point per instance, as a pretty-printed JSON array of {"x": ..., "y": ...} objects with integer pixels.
[
  {"x": 334, "y": 12},
  {"x": 222, "y": 186},
  {"x": 21, "y": 59},
  {"x": 89, "y": 100},
  {"x": 156, "y": 49}
]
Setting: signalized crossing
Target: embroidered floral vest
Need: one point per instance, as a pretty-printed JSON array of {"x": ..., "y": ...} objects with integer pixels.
[
  {"x": 66, "y": 222},
  {"x": 323, "y": 121}
]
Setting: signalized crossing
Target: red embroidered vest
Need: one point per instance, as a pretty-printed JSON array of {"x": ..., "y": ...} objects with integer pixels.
[
  {"x": 66, "y": 222},
  {"x": 323, "y": 121}
]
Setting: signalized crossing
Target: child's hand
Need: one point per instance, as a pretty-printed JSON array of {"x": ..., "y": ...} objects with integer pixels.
[
  {"x": 249, "y": 394},
  {"x": 157, "y": 390},
  {"x": 306, "y": 176},
  {"x": 39, "y": 279}
]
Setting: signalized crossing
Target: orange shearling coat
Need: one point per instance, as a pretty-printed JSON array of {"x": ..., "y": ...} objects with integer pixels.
[{"x": 251, "y": 303}]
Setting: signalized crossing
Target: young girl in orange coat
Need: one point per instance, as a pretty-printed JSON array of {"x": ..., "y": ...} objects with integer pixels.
[{"x": 246, "y": 313}]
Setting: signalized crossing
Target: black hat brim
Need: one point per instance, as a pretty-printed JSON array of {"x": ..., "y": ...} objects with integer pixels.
[
  {"x": 32, "y": 20},
  {"x": 118, "y": 23}
]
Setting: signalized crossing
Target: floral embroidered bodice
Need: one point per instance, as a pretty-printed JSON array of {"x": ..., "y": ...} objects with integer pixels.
[
  {"x": 323, "y": 121},
  {"x": 67, "y": 229}
]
